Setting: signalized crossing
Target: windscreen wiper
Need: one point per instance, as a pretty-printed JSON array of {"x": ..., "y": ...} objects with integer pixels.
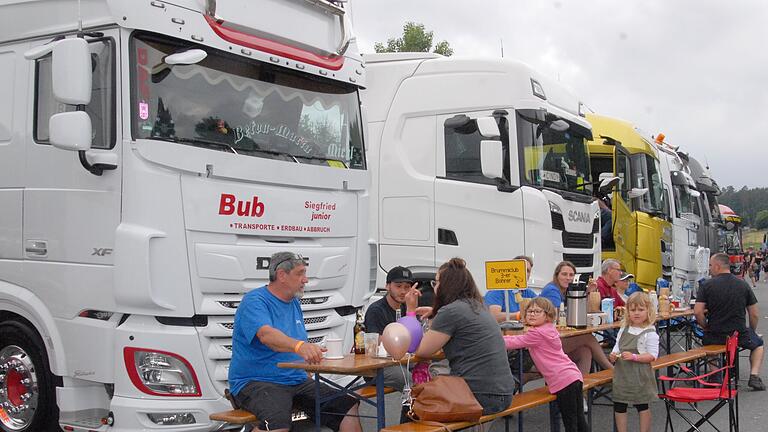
[{"x": 201, "y": 141}]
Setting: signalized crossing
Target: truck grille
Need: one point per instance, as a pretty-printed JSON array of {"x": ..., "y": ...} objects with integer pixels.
[
  {"x": 596, "y": 226},
  {"x": 577, "y": 240},
  {"x": 557, "y": 221},
  {"x": 578, "y": 260}
]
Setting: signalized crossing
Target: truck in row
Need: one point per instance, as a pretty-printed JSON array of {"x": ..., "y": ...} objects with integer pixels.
[{"x": 154, "y": 154}]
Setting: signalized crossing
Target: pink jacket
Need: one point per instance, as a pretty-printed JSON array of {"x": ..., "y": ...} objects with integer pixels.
[{"x": 546, "y": 349}]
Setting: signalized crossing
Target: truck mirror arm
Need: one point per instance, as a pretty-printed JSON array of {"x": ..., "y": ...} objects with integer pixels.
[{"x": 96, "y": 169}]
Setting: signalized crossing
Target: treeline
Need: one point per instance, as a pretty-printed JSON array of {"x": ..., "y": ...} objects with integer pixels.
[{"x": 750, "y": 204}]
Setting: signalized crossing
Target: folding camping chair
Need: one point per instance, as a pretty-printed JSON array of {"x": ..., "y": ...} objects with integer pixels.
[{"x": 722, "y": 393}]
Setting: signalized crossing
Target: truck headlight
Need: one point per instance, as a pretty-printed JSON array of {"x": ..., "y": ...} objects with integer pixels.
[{"x": 160, "y": 373}]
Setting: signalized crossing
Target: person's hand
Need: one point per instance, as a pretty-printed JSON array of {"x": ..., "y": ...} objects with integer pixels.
[
  {"x": 422, "y": 311},
  {"x": 626, "y": 355},
  {"x": 613, "y": 357},
  {"x": 311, "y": 353},
  {"x": 412, "y": 298},
  {"x": 591, "y": 285}
]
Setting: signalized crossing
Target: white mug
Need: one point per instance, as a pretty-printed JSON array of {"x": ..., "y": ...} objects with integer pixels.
[
  {"x": 334, "y": 348},
  {"x": 595, "y": 319}
]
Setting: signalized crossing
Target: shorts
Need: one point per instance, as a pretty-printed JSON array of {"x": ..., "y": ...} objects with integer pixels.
[
  {"x": 272, "y": 403},
  {"x": 747, "y": 340}
]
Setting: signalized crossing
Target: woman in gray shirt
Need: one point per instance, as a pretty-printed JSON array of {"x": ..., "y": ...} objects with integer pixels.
[{"x": 470, "y": 337}]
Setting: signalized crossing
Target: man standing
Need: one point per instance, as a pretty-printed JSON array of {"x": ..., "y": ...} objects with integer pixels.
[
  {"x": 720, "y": 308},
  {"x": 269, "y": 329},
  {"x": 610, "y": 273},
  {"x": 387, "y": 310}
]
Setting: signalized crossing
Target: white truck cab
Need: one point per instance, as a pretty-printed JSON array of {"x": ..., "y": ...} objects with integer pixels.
[
  {"x": 483, "y": 159},
  {"x": 150, "y": 164}
]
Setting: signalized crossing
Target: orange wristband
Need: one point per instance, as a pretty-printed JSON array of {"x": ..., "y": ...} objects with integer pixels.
[{"x": 297, "y": 346}]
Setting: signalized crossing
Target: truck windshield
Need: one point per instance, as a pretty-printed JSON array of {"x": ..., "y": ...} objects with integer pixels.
[
  {"x": 232, "y": 104},
  {"x": 551, "y": 158}
]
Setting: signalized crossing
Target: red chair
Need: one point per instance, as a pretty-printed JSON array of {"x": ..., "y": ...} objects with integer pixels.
[{"x": 722, "y": 393}]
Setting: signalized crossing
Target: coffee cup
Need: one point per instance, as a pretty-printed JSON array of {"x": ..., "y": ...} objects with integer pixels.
[
  {"x": 334, "y": 349},
  {"x": 595, "y": 319}
]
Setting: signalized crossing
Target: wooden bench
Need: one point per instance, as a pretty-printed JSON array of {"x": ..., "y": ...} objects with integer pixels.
[
  {"x": 520, "y": 402},
  {"x": 234, "y": 417},
  {"x": 677, "y": 358},
  {"x": 243, "y": 417},
  {"x": 713, "y": 350}
]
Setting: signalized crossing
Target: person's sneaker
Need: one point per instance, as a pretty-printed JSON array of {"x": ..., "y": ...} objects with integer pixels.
[{"x": 755, "y": 383}]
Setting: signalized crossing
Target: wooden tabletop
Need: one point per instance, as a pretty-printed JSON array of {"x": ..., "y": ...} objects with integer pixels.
[
  {"x": 351, "y": 364},
  {"x": 570, "y": 331}
]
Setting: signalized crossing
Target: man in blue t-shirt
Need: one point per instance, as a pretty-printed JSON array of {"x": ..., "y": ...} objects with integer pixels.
[
  {"x": 495, "y": 299},
  {"x": 269, "y": 329}
]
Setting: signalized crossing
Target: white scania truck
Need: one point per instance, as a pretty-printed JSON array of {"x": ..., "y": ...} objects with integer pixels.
[
  {"x": 483, "y": 159},
  {"x": 150, "y": 164}
]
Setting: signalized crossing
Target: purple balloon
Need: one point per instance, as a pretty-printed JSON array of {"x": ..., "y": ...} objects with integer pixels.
[{"x": 414, "y": 328}]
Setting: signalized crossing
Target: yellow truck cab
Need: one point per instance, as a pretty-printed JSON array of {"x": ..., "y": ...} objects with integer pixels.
[{"x": 641, "y": 233}]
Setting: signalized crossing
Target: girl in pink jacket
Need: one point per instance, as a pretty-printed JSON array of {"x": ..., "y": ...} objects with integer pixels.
[{"x": 561, "y": 374}]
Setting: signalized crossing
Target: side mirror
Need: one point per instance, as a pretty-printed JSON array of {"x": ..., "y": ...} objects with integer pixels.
[
  {"x": 607, "y": 184},
  {"x": 488, "y": 127},
  {"x": 187, "y": 57},
  {"x": 637, "y": 192},
  {"x": 695, "y": 193},
  {"x": 72, "y": 72},
  {"x": 491, "y": 159},
  {"x": 70, "y": 130}
]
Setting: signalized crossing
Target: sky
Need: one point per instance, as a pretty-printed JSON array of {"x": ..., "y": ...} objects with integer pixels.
[{"x": 696, "y": 71}]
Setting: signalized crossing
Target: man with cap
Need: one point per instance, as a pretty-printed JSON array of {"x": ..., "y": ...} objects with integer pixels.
[
  {"x": 387, "y": 310},
  {"x": 623, "y": 289}
]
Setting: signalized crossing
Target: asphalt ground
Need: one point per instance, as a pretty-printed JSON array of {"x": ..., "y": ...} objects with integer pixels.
[{"x": 753, "y": 406}]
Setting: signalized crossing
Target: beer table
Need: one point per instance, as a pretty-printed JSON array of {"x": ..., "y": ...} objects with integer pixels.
[{"x": 358, "y": 365}]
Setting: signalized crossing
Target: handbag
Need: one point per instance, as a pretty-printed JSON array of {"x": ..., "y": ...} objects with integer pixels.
[{"x": 445, "y": 398}]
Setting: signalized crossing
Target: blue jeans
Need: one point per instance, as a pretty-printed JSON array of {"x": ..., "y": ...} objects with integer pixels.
[{"x": 493, "y": 403}]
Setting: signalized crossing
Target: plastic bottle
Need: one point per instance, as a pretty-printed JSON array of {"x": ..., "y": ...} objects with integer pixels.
[
  {"x": 654, "y": 301},
  {"x": 687, "y": 292},
  {"x": 561, "y": 320}
]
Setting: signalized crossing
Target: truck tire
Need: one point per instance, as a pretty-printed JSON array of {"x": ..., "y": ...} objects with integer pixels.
[{"x": 27, "y": 387}]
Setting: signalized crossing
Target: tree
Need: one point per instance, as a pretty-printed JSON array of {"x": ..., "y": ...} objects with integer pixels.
[
  {"x": 415, "y": 38},
  {"x": 761, "y": 220}
]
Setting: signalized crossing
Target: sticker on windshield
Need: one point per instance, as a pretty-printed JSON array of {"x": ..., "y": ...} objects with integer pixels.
[
  {"x": 550, "y": 176},
  {"x": 571, "y": 172},
  {"x": 143, "y": 110}
]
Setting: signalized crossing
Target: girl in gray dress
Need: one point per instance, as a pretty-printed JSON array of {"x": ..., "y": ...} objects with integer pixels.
[{"x": 637, "y": 345}]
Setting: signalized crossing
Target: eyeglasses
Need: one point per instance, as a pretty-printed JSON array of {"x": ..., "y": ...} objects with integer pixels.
[
  {"x": 294, "y": 257},
  {"x": 534, "y": 312},
  {"x": 434, "y": 283}
]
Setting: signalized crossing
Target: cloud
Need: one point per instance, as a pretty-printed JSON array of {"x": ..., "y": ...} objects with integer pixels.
[{"x": 694, "y": 70}]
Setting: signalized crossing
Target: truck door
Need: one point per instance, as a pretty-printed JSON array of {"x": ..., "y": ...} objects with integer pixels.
[
  {"x": 473, "y": 218},
  {"x": 70, "y": 214},
  {"x": 624, "y": 219}
]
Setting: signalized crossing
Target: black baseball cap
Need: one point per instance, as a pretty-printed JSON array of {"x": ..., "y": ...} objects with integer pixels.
[{"x": 399, "y": 274}]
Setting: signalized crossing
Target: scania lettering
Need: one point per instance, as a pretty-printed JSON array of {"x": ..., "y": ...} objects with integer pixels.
[
  {"x": 150, "y": 165},
  {"x": 483, "y": 159}
]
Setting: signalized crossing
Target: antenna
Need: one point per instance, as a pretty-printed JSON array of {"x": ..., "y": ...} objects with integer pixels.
[
  {"x": 79, "y": 19},
  {"x": 501, "y": 41},
  {"x": 706, "y": 161}
]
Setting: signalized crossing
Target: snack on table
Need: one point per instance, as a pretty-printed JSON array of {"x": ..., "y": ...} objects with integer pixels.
[{"x": 619, "y": 312}]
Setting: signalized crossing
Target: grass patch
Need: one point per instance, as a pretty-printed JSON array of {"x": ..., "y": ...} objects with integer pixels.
[{"x": 753, "y": 238}]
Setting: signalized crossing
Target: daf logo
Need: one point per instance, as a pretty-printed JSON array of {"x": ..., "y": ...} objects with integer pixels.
[{"x": 577, "y": 216}]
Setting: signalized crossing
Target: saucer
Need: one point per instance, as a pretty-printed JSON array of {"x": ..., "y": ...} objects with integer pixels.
[{"x": 333, "y": 357}]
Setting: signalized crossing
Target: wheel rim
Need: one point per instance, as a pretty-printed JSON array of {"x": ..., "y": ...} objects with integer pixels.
[{"x": 18, "y": 388}]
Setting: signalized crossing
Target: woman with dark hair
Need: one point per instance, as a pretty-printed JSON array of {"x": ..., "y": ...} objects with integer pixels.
[
  {"x": 464, "y": 329},
  {"x": 581, "y": 349}
]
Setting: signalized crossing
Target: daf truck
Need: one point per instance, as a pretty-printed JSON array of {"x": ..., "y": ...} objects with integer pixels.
[
  {"x": 153, "y": 155},
  {"x": 484, "y": 159}
]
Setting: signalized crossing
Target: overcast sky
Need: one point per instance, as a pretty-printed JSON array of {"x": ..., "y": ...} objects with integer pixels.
[{"x": 696, "y": 71}]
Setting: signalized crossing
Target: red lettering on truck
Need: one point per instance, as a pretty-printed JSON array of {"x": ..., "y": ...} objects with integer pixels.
[{"x": 229, "y": 205}]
